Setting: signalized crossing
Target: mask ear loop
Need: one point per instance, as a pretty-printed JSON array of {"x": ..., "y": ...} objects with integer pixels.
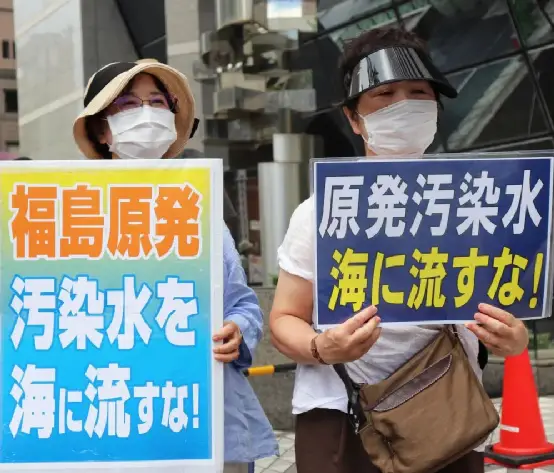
[
  {"x": 366, "y": 140},
  {"x": 109, "y": 155}
]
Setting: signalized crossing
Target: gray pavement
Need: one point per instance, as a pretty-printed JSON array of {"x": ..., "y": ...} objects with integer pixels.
[{"x": 284, "y": 463}]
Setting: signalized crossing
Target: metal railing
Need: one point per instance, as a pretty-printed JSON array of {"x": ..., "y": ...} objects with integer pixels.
[{"x": 265, "y": 370}]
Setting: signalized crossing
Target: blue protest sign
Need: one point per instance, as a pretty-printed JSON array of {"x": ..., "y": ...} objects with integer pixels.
[
  {"x": 428, "y": 240},
  {"x": 110, "y": 292}
]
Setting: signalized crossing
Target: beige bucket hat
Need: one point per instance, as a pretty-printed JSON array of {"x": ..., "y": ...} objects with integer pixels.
[{"x": 106, "y": 85}]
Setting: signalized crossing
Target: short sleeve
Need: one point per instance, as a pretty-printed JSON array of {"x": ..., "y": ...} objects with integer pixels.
[{"x": 296, "y": 253}]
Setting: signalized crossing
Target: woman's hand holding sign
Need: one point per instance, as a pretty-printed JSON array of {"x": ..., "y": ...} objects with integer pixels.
[
  {"x": 231, "y": 338},
  {"x": 350, "y": 340},
  {"x": 500, "y": 331}
]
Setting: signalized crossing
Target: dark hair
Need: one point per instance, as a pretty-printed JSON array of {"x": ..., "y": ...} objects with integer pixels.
[
  {"x": 95, "y": 124},
  {"x": 358, "y": 48},
  {"x": 23, "y": 158}
]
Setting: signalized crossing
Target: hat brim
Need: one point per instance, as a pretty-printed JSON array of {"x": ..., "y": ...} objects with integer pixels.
[{"x": 176, "y": 84}]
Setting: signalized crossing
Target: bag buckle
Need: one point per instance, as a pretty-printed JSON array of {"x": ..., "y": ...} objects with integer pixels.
[{"x": 356, "y": 413}]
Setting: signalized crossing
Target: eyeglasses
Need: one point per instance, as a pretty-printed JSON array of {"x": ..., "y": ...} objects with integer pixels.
[{"x": 130, "y": 101}]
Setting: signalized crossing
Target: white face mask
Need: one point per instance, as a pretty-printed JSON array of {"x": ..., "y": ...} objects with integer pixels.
[
  {"x": 142, "y": 133},
  {"x": 404, "y": 128}
]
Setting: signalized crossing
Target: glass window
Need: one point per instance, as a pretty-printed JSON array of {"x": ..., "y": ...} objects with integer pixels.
[
  {"x": 332, "y": 13},
  {"x": 13, "y": 50},
  {"x": 535, "y": 19},
  {"x": 5, "y": 49},
  {"x": 542, "y": 63},
  {"x": 286, "y": 15},
  {"x": 145, "y": 21},
  {"x": 414, "y": 11},
  {"x": 284, "y": 8},
  {"x": 497, "y": 102},
  {"x": 541, "y": 337},
  {"x": 385, "y": 18},
  {"x": 458, "y": 38},
  {"x": 538, "y": 144},
  {"x": 10, "y": 101},
  {"x": 436, "y": 146},
  {"x": 322, "y": 58},
  {"x": 156, "y": 50}
]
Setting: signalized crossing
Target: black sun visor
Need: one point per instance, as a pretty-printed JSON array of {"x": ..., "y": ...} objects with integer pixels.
[{"x": 393, "y": 65}]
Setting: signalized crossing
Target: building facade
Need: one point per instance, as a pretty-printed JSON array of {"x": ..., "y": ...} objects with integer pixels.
[
  {"x": 251, "y": 59},
  {"x": 264, "y": 76},
  {"x": 9, "y": 140}
]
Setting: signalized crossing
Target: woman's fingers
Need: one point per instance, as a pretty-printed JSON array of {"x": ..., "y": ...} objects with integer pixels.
[{"x": 228, "y": 347}]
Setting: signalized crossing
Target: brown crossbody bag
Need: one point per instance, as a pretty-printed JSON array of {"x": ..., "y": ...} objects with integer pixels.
[{"x": 429, "y": 413}]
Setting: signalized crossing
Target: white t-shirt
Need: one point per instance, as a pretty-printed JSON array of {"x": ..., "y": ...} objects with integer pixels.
[{"x": 318, "y": 386}]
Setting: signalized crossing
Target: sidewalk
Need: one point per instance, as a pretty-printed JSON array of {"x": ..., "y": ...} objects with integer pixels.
[{"x": 285, "y": 462}]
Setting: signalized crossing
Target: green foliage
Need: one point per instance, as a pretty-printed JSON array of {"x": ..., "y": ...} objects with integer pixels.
[{"x": 542, "y": 339}]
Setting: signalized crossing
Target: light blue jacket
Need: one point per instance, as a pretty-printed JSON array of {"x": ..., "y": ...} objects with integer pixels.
[{"x": 248, "y": 433}]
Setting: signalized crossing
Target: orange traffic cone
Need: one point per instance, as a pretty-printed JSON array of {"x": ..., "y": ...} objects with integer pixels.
[{"x": 522, "y": 438}]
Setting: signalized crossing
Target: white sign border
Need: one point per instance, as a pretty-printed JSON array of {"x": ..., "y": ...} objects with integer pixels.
[{"x": 215, "y": 464}]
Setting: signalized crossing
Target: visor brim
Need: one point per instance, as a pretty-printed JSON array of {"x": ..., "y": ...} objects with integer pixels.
[{"x": 396, "y": 64}]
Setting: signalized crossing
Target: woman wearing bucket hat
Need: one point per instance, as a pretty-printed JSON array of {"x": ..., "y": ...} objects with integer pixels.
[
  {"x": 145, "y": 110},
  {"x": 136, "y": 110}
]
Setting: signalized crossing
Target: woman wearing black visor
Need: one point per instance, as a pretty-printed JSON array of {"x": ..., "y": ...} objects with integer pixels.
[{"x": 391, "y": 96}]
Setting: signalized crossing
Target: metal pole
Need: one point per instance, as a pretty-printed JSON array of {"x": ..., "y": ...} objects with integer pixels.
[
  {"x": 242, "y": 195},
  {"x": 269, "y": 369}
]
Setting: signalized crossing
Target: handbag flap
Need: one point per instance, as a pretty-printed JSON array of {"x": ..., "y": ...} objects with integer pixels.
[
  {"x": 440, "y": 347},
  {"x": 415, "y": 385}
]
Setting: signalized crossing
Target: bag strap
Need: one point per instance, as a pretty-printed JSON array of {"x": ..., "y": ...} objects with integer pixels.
[{"x": 355, "y": 409}]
